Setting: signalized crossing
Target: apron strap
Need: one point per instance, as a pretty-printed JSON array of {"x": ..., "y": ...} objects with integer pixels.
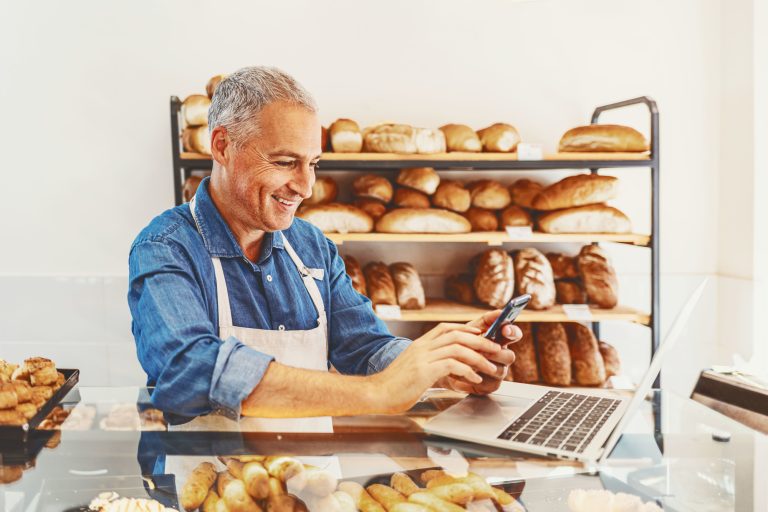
[{"x": 311, "y": 285}]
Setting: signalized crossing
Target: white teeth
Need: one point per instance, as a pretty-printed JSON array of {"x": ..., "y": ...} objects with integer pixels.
[{"x": 281, "y": 200}]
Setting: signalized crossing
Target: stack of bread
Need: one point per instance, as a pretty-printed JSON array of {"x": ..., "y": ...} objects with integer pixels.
[
  {"x": 25, "y": 389},
  {"x": 562, "y": 354},
  {"x": 397, "y": 284},
  {"x": 194, "y": 115},
  {"x": 588, "y": 278}
]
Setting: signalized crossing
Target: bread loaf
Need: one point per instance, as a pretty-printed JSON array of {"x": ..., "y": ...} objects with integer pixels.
[
  {"x": 525, "y": 368},
  {"x": 586, "y": 361},
  {"x": 524, "y": 191},
  {"x": 603, "y": 138},
  {"x": 554, "y": 354},
  {"x": 495, "y": 278},
  {"x": 372, "y": 185},
  {"x": 372, "y": 207},
  {"x": 563, "y": 267},
  {"x": 429, "y": 141},
  {"x": 422, "y": 220},
  {"x": 593, "y": 218},
  {"x": 489, "y": 194},
  {"x": 190, "y": 187},
  {"x": 213, "y": 83},
  {"x": 482, "y": 219},
  {"x": 452, "y": 195},
  {"x": 345, "y": 136},
  {"x": 598, "y": 276},
  {"x": 380, "y": 285},
  {"x": 610, "y": 359},
  {"x": 514, "y": 216},
  {"x": 324, "y": 191},
  {"x": 337, "y": 218},
  {"x": 390, "y": 138},
  {"x": 409, "y": 198},
  {"x": 534, "y": 277},
  {"x": 324, "y": 139},
  {"x": 460, "y": 137},
  {"x": 499, "y": 137},
  {"x": 423, "y": 179},
  {"x": 570, "y": 291},
  {"x": 356, "y": 274},
  {"x": 194, "y": 110},
  {"x": 410, "y": 292},
  {"x": 196, "y": 139},
  {"x": 578, "y": 190},
  {"x": 460, "y": 288}
]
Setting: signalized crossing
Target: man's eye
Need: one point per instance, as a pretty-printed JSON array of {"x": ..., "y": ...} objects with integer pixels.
[
  {"x": 315, "y": 165},
  {"x": 283, "y": 163}
]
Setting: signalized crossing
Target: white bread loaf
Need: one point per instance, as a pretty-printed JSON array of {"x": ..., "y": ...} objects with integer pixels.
[
  {"x": 489, "y": 194},
  {"x": 603, "y": 138},
  {"x": 373, "y": 186},
  {"x": 452, "y": 195},
  {"x": 324, "y": 191},
  {"x": 460, "y": 137},
  {"x": 194, "y": 110},
  {"x": 499, "y": 138},
  {"x": 345, "y": 136},
  {"x": 196, "y": 139},
  {"x": 428, "y": 220},
  {"x": 578, "y": 190},
  {"x": 337, "y": 218},
  {"x": 423, "y": 179},
  {"x": 213, "y": 83},
  {"x": 593, "y": 218},
  {"x": 390, "y": 138},
  {"x": 429, "y": 141}
]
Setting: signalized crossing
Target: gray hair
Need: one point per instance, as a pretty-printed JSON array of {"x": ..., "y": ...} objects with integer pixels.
[{"x": 241, "y": 96}]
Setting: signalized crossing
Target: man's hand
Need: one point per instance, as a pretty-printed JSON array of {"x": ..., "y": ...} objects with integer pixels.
[{"x": 501, "y": 359}]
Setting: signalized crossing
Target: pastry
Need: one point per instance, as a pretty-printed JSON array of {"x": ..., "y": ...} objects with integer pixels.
[
  {"x": 373, "y": 186},
  {"x": 44, "y": 376},
  {"x": 452, "y": 195},
  {"x": 345, "y": 136},
  {"x": 34, "y": 364},
  {"x": 194, "y": 110},
  {"x": 554, "y": 353},
  {"x": 423, "y": 179},
  {"x": 525, "y": 368},
  {"x": 23, "y": 390},
  {"x": 610, "y": 359},
  {"x": 499, "y": 138},
  {"x": 603, "y": 138},
  {"x": 534, "y": 277},
  {"x": 570, "y": 291},
  {"x": 381, "y": 286},
  {"x": 28, "y": 410},
  {"x": 495, "y": 279},
  {"x": 6, "y": 370},
  {"x": 42, "y": 391},
  {"x": 515, "y": 216},
  {"x": 390, "y": 138},
  {"x": 337, "y": 218},
  {"x": 372, "y": 207},
  {"x": 599, "y": 277},
  {"x": 325, "y": 190},
  {"x": 482, "y": 219},
  {"x": 586, "y": 361},
  {"x": 563, "y": 267},
  {"x": 410, "y": 292},
  {"x": 422, "y": 220},
  {"x": 460, "y": 288},
  {"x": 213, "y": 83},
  {"x": 190, "y": 187},
  {"x": 460, "y": 137},
  {"x": 489, "y": 194},
  {"x": 593, "y": 218},
  {"x": 11, "y": 417},
  {"x": 578, "y": 190},
  {"x": 409, "y": 198},
  {"x": 8, "y": 398},
  {"x": 524, "y": 191},
  {"x": 355, "y": 273}
]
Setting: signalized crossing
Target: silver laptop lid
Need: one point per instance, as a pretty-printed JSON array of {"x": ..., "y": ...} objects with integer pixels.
[{"x": 653, "y": 369}]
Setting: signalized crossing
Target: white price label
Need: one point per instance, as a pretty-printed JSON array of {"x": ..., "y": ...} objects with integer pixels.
[
  {"x": 529, "y": 151},
  {"x": 519, "y": 232},
  {"x": 388, "y": 312},
  {"x": 577, "y": 312}
]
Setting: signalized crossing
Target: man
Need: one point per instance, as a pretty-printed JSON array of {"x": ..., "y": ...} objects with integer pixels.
[{"x": 238, "y": 308}]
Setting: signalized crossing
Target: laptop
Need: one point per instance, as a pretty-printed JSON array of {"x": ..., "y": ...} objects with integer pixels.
[{"x": 557, "y": 422}]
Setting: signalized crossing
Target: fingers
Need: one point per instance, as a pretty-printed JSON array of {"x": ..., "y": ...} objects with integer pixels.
[
  {"x": 466, "y": 356},
  {"x": 504, "y": 357},
  {"x": 486, "y": 320},
  {"x": 470, "y": 340},
  {"x": 459, "y": 369},
  {"x": 512, "y": 333},
  {"x": 445, "y": 327}
]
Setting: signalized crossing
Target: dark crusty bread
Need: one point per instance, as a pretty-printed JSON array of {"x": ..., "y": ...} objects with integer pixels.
[
  {"x": 587, "y": 363},
  {"x": 372, "y": 207},
  {"x": 570, "y": 291},
  {"x": 482, "y": 219},
  {"x": 533, "y": 276},
  {"x": 598, "y": 276},
  {"x": 525, "y": 368},
  {"x": 460, "y": 288},
  {"x": 563, "y": 266},
  {"x": 524, "y": 191},
  {"x": 515, "y": 216},
  {"x": 610, "y": 359},
  {"x": 381, "y": 286},
  {"x": 410, "y": 292},
  {"x": 355, "y": 273},
  {"x": 554, "y": 354},
  {"x": 578, "y": 190},
  {"x": 495, "y": 278}
]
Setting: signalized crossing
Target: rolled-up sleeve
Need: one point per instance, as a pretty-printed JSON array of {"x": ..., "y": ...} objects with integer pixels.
[{"x": 194, "y": 371}]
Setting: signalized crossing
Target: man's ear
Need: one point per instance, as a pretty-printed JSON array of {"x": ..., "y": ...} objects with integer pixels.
[{"x": 221, "y": 146}]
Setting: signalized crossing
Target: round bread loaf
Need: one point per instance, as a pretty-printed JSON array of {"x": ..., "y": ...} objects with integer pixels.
[
  {"x": 489, "y": 194},
  {"x": 525, "y": 368},
  {"x": 610, "y": 359},
  {"x": 372, "y": 207},
  {"x": 499, "y": 138},
  {"x": 196, "y": 139},
  {"x": 337, "y": 218},
  {"x": 514, "y": 216},
  {"x": 460, "y": 137},
  {"x": 603, "y": 138},
  {"x": 345, "y": 136},
  {"x": 390, "y": 138},
  {"x": 459, "y": 288},
  {"x": 563, "y": 266},
  {"x": 495, "y": 278},
  {"x": 599, "y": 277},
  {"x": 524, "y": 191},
  {"x": 423, "y": 179},
  {"x": 355, "y": 273},
  {"x": 213, "y": 83},
  {"x": 452, "y": 195},
  {"x": 380, "y": 285},
  {"x": 374, "y": 186},
  {"x": 409, "y": 198},
  {"x": 194, "y": 110},
  {"x": 570, "y": 291},
  {"x": 422, "y": 220},
  {"x": 587, "y": 363},
  {"x": 578, "y": 190},
  {"x": 593, "y": 218},
  {"x": 410, "y": 292},
  {"x": 533, "y": 276},
  {"x": 482, "y": 219},
  {"x": 554, "y": 353},
  {"x": 190, "y": 187},
  {"x": 325, "y": 190}
]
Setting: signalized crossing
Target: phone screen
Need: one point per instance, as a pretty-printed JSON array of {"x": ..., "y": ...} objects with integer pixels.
[{"x": 507, "y": 316}]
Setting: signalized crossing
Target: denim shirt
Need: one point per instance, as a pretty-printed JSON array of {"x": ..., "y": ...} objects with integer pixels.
[{"x": 172, "y": 298}]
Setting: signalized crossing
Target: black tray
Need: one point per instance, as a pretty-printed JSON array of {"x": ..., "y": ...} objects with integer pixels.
[{"x": 21, "y": 432}]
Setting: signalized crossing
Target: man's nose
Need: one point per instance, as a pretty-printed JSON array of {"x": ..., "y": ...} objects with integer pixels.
[{"x": 304, "y": 181}]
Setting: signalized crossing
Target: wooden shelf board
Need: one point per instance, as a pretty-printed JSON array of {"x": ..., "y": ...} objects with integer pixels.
[
  {"x": 441, "y": 310},
  {"x": 493, "y": 238},
  {"x": 468, "y": 157}
]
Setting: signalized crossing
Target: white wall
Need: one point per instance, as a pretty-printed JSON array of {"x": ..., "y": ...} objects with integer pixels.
[{"x": 87, "y": 143}]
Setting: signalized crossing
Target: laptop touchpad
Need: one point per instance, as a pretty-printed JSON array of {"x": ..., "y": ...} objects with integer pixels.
[{"x": 481, "y": 415}]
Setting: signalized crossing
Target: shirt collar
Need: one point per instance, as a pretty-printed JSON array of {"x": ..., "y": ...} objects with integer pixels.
[{"x": 217, "y": 237}]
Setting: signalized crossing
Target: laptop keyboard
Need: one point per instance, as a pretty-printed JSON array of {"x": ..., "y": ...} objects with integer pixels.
[{"x": 562, "y": 421}]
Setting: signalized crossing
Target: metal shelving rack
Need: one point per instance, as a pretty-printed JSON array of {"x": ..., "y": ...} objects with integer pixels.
[{"x": 185, "y": 163}]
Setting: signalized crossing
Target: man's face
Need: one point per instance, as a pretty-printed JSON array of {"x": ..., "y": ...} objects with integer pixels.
[{"x": 269, "y": 175}]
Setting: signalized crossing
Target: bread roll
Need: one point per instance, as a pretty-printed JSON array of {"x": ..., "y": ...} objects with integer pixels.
[
  {"x": 409, "y": 198},
  {"x": 190, "y": 187},
  {"x": 194, "y": 110},
  {"x": 499, "y": 138},
  {"x": 410, "y": 292},
  {"x": 422, "y": 220},
  {"x": 563, "y": 267},
  {"x": 196, "y": 139},
  {"x": 514, "y": 216},
  {"x": 337, "y": 218},
  {"x": 371, "y": 185},
  {"x": 603, "y": 138},
  {"x": 593, "y": 218},
  {"x": 586, "y": 361},
  {"x": 598, "y": 276},
  {"x": 8, "y": 397},
  {"x": 554, "y": 354},
  {"x": 525, "y": 368},
  {"x": 423, "y": 179},
  {"x": 452, "y": 195},
  {"x": 482, "y": 219},
  {"x": 578, "y": 190},
  {"x": 381, "y": 286},
  {"x": 372, "y": 207},
  {"x": 355, "y": 273},
  {"x": 489, "y": 194},
  {"x": 460, "y": 137},
  {"x": 345, "y": 136},
  {"x": 495, "y": 278},
  {"x": 534, "y": 277},
  {"x": 524, "y": 191},
  {"x": 390, "y": 138},
  {"x": 213, "y": 83},
  {"x": 459, "y": 288},
  {"x": 570, "y": 292},
  {"x": 610, "y": 359},
  {"x": 324, "y": 139},
  {"x": 324, "y": 191},
  {"x": 429, "y": 141}
]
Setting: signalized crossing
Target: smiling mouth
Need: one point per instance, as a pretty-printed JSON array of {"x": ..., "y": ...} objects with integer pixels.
[{"x": 286, "y": 202}]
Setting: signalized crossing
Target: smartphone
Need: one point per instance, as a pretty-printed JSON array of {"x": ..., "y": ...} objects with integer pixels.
[{"x": 507, "y": 316}]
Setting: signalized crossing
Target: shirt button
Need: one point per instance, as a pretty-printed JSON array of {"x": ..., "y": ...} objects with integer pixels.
[
  {"x": 281, "y": 327},
  {"x": 269, "y": 277}
]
